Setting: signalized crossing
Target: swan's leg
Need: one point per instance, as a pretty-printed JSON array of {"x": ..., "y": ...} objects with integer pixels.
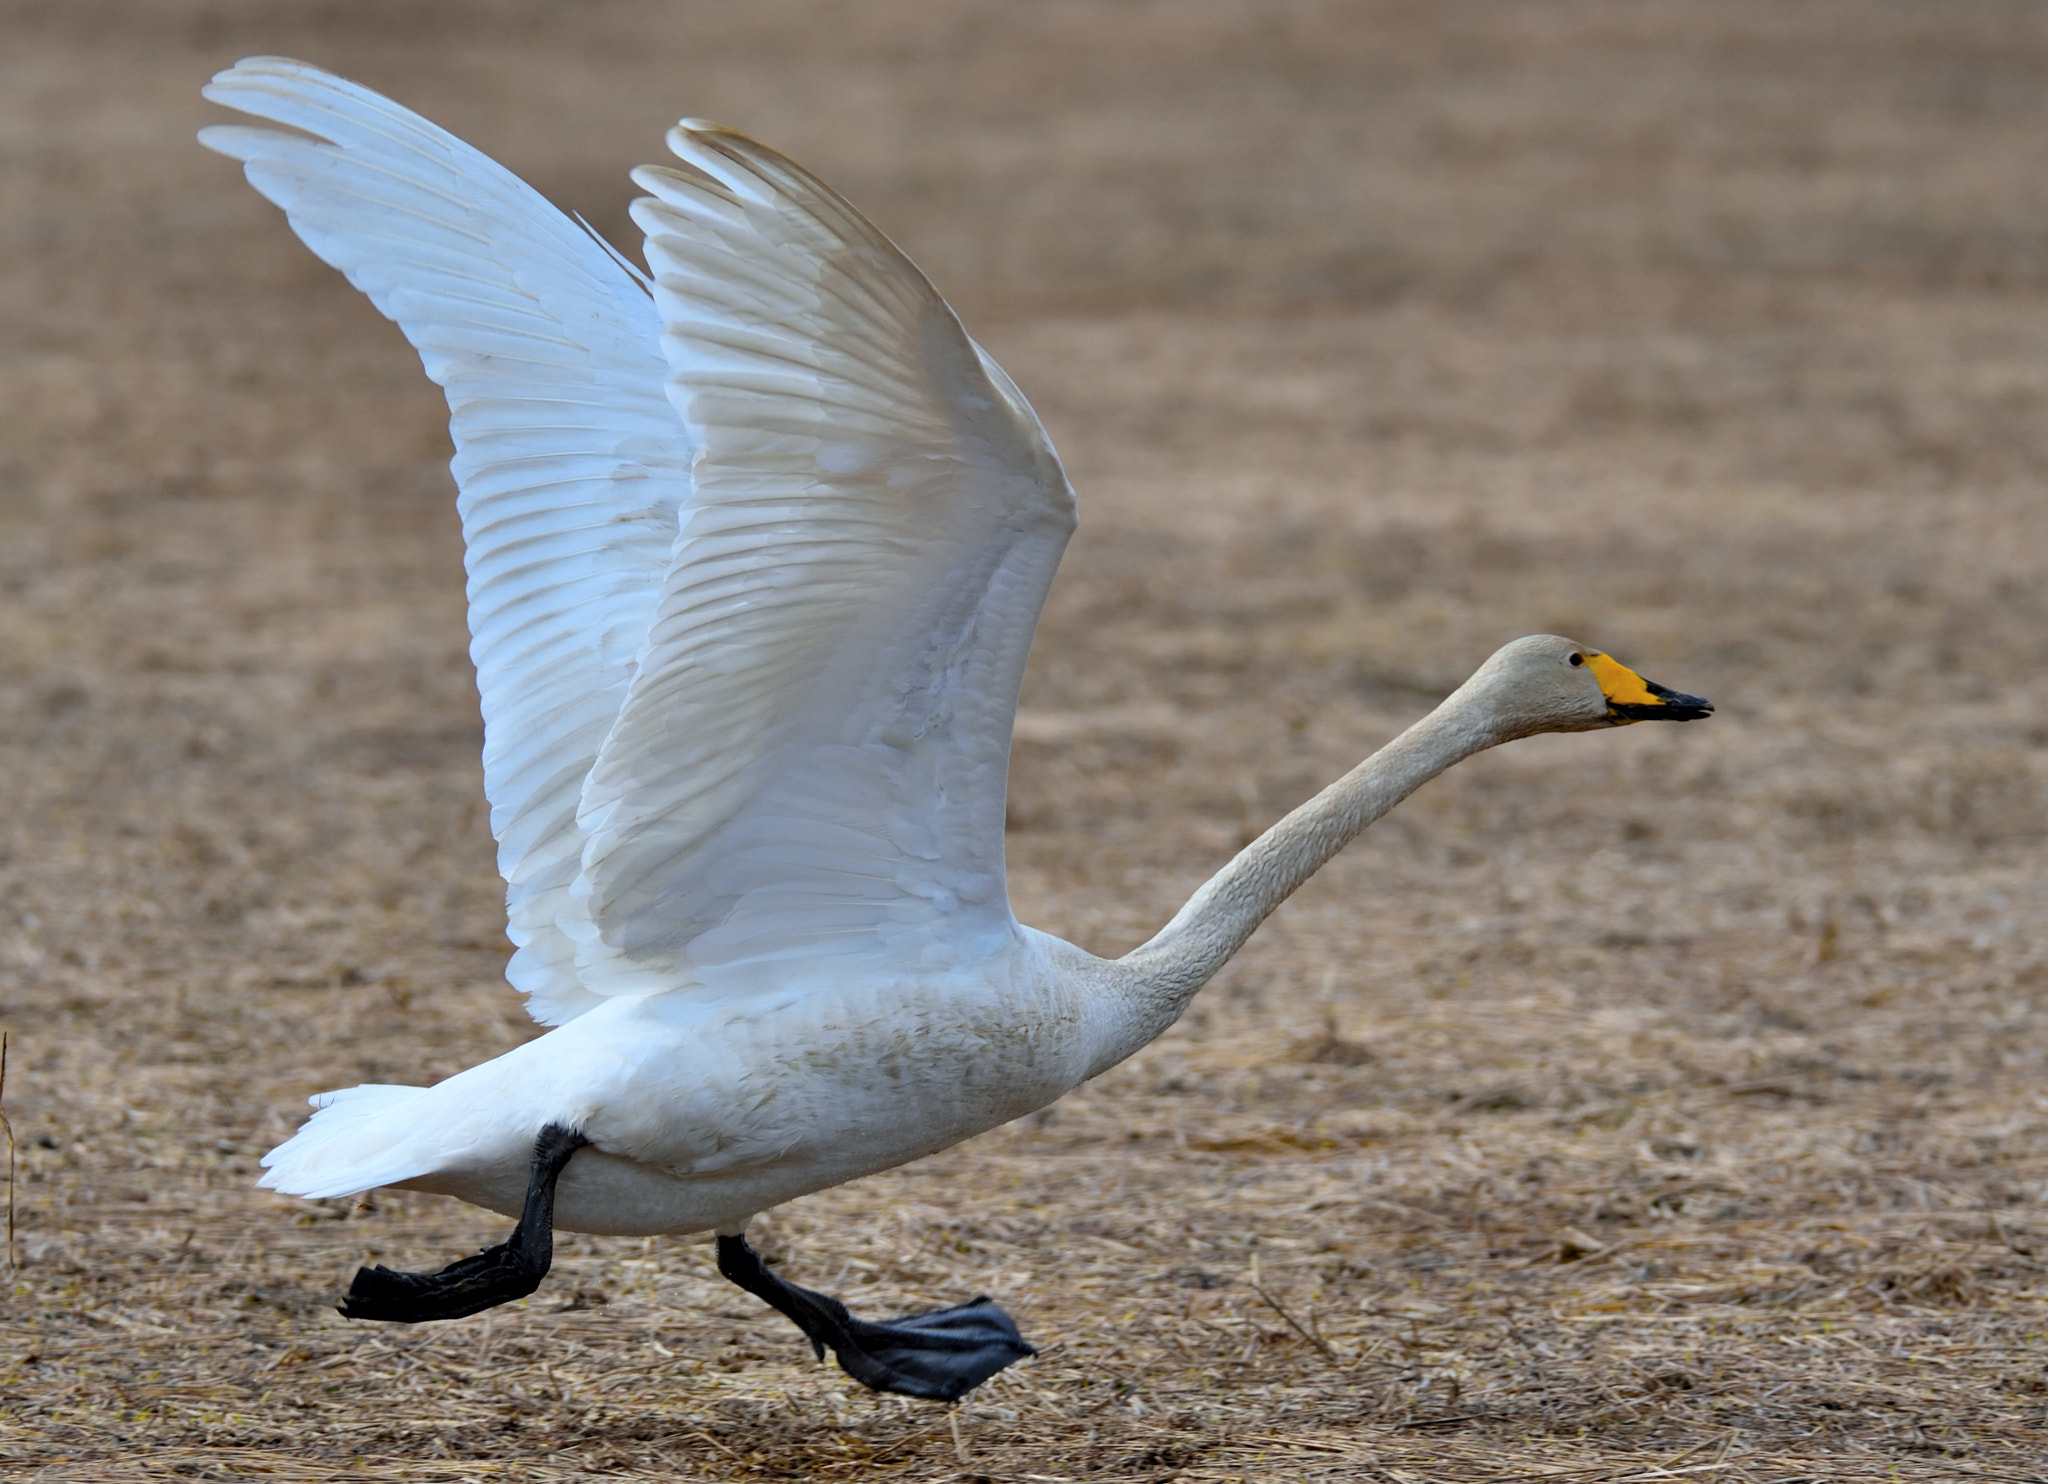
[
  {"x": 497, "y": 1275},
  {"x": 941, "y": 1355}
]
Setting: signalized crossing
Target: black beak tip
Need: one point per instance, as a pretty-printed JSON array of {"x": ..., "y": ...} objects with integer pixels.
[{"x": 1671, "y": 706}]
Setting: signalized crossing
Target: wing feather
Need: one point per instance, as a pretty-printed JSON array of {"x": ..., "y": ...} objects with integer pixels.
[
  {"x": 571, "y": 463},
  {"x": 812, "y": 755},
  {"x": 765, "y": 719}
]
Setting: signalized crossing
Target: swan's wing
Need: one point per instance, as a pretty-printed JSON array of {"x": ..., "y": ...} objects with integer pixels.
[
  {"x": 571, "y": 462},
  {"x": 812, "y": 756}
]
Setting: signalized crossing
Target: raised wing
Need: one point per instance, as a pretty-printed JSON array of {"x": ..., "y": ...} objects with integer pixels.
[
  {"x": 571, "y": 462},
  {"x": 812, "y": 756}
]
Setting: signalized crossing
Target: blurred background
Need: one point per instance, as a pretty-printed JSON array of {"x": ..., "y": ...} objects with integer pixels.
[{"x": 1373, "y": 335}]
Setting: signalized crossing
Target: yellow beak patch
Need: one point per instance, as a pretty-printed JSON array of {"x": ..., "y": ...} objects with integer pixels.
[
  {"x": 1632, "y": 698},
  {"x": 1621, "y": 685}
]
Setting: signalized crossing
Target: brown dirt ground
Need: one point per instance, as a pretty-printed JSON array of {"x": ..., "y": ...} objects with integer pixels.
[{"x": 1660, "y": 1104}]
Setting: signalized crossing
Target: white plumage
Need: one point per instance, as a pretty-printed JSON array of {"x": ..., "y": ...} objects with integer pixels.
[
  {"x": 754, "y": 564},
  {"x": 756, "y": 548}
]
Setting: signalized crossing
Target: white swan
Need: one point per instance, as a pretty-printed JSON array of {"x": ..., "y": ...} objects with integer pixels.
[{"x": 755, "y": 553}]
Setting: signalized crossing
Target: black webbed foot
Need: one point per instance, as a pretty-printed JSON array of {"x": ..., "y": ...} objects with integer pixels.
[
  {"x": 497, "y": 1275},
  {"x": 941, "y": 1355}
]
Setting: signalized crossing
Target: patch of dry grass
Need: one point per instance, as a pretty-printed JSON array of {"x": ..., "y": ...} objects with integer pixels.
[{"x": 1667, "y": 1104}]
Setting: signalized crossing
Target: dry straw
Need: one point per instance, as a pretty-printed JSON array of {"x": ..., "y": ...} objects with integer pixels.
[
  {"x": 8, "y": 1129},
  {"x": 1638, "y": 1107}
]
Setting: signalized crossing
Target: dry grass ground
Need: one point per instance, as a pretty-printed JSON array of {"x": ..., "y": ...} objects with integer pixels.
[{"x": 1660, "y": 1104}]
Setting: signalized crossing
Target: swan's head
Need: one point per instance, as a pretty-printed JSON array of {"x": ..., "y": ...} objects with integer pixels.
[{"x": 1547, "y": 684}]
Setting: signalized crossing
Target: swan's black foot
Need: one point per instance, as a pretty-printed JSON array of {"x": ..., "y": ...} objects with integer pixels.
[
  {"x": 942, "y": 1355},
  {"x": 497, "y": 1275}
]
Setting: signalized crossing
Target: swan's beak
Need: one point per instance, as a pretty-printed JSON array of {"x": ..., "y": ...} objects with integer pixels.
[{"x": 1632, "y": 698}]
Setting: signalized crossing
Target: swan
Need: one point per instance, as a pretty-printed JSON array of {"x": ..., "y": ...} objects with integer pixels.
[{"x": 756, "y": 543}]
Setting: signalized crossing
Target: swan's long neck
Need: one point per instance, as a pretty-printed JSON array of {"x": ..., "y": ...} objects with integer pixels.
[{"x": 1153, "y": 983}]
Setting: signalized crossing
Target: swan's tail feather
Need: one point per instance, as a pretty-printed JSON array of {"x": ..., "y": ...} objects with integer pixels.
[{"x": 357, "y": 1139}]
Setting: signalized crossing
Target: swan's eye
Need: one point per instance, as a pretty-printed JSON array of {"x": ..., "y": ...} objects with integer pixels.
[{"x": 1578, "y": 659}]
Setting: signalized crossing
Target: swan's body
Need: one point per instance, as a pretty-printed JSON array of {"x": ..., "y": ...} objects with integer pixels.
[
  {"x": 701, "y": 1115},
  {"x": 756, "y": 551}
]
